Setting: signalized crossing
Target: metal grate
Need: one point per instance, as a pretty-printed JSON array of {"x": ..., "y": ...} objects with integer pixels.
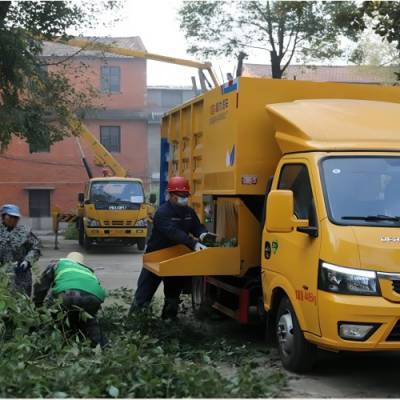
[
  {"x": 395, "y": 334},
  {"x": 396, "y": 286},
  {"x": 117, "y": 223}
]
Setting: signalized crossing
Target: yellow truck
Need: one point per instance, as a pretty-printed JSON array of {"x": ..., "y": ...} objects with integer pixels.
[
  {"x": 112, "y": 209},
  {"x": 301, "y": 183}
]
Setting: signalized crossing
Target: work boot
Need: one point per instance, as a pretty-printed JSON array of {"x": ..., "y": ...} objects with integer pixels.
[{"x": 170, "y": 309}]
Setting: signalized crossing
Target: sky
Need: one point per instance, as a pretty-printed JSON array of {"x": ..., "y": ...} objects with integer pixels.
[{"x": 155, "y": 21}]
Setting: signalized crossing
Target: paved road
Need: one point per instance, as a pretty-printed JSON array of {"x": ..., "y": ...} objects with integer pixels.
[
  {"x": 115, "y": 266},
  {"x": 345, "y": 375}
]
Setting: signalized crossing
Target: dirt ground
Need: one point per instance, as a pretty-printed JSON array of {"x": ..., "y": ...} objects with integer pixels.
[{"x": 353, "y": 375}]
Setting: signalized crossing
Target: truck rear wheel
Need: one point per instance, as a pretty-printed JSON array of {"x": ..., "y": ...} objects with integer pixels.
[
  {"x": 200, "y": 304},
  {"x": 297, "y": 354}
]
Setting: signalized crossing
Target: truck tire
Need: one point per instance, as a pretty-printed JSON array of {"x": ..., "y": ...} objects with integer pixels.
[
  {"x": 296, "y": 353},
  {"x": 141, "y": 243},
  {"x": 87, "y": 242},
  {"x": 200, "y": 304},
  {"x": 81, "y": 232}
]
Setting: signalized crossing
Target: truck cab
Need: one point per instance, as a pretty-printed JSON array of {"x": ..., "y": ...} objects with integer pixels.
[
  {"x": 112, "y": 210},
  {"x": 333, "y": 220}
]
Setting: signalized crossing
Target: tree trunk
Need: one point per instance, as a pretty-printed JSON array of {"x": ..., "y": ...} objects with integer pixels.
[
  {"x": 4, "y": 6},
  {"x": 275, "y": 66}
]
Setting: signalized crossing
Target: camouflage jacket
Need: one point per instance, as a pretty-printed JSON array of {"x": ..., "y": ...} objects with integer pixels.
[{"x": 18, "y": 245}]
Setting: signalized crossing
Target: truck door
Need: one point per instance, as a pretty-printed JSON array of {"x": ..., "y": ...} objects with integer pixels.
[{"x": 295, "y": 255}]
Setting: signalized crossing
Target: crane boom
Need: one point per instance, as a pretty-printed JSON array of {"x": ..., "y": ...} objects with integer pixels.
[
  {"x": 89, "y": 45},
  {"x": 102, "y": 155}
]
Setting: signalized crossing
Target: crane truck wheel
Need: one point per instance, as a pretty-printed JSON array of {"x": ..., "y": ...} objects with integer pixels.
[
  {"x": 297, "y": 355},
  {"x": 87, "y": 242},
  {"x": 81, "y": 232},
  {"x": 141, "y": 243}
]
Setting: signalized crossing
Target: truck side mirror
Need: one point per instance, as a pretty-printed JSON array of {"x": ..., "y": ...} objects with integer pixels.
[
  {"x": 152, "y": 198},
  {"x": 81, "y": 197},
  {"x": 280, "y": 212}
]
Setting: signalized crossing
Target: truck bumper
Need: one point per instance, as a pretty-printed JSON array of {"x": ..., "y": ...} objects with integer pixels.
[
  {"x": 335, "y": 309},
  {"x": 116, "y": 232}
]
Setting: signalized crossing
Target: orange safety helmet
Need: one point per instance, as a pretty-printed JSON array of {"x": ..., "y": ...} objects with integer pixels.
[{"x": 178, "y": 184}]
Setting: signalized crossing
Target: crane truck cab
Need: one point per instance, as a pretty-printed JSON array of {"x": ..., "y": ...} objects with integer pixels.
[
  {"x": 112, "y": 210},
  {"x": 302, "y": 179}
]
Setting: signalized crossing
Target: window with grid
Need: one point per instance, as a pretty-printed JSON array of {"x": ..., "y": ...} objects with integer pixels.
[
  {"x": 110, "y": 138},
  {"x": 110, "y": 79}
]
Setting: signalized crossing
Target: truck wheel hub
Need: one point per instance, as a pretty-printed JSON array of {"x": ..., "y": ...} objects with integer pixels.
[{"x": 285, "y": 333}]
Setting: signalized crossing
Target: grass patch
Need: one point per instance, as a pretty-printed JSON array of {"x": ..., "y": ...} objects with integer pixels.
[{"x": 146, "y": 357}]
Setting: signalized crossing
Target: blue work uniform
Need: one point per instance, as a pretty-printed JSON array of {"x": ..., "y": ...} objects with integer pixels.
[{"x": 172, "y": 226}]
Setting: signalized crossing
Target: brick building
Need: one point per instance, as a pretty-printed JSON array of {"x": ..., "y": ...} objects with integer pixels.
[{"x": 39, "y": 179}]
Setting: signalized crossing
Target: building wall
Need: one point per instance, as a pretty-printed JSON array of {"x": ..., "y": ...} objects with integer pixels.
[
  {"x": 60, "y": 171},
  {"x": 134, "y": 143}
]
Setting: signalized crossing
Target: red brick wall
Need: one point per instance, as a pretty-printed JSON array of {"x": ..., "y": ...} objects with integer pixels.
[{"x": 62, "y": 168}]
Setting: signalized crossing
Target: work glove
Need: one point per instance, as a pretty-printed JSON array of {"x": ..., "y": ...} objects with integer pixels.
[
  {"x": 199, "y": 246},
  {"x": 208, "y": 237},
  {"x": 22, "y": 267}
]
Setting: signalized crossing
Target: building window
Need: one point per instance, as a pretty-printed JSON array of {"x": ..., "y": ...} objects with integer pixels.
[
  {"x": 39, "y": 203},
  {"x": 110, "y": 138},
  {"x": 110, "y": 79},
  {"x": 39, "y": 148}
]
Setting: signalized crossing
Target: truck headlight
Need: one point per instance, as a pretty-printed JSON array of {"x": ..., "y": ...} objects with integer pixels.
[
  {"x": 141, "y": 223},
  {"x": 93, "y": 223},
  {"x": 335, "y": 279},
  {"x": 356, "y": 330}
]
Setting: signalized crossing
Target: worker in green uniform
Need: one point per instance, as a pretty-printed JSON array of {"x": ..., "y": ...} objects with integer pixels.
[{"x": 78, "y": 287}]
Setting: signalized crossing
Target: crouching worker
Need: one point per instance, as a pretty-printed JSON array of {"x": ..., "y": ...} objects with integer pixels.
[{"x": 78, "y": 287}]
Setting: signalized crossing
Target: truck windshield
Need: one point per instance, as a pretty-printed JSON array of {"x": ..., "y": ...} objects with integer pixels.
[
  {"x": 119, "y": 192},
  {"x": 363, "y": 190}
]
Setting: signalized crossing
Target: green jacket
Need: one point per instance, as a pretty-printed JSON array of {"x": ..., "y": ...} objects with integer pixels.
[
  {"x": 72, "y": 275},
  {"x": 67, "y": 275}
]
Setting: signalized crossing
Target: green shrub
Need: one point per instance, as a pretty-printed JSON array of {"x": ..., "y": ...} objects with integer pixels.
[
  {"x": 145, "y": 357},
  {"x": 71, "y": 233}
]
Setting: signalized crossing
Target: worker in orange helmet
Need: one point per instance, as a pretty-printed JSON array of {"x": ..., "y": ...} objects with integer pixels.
[{"x": 174, "y": 223}]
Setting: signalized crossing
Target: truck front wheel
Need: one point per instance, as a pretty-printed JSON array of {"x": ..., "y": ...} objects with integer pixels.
[
  {"x": 141, "y": 243},
  {"x": 87, "y": 241},
  {"x": 81, "y": 232},
  {"x": 296, "y": 353}
]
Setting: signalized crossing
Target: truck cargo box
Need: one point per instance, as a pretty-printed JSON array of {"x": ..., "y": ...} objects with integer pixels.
[{"x": 224, "y": 143}]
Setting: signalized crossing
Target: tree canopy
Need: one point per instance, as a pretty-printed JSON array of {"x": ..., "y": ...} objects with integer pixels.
[
  {"x": 35, "y": 101},
  {"x": 310, "y": 30}
]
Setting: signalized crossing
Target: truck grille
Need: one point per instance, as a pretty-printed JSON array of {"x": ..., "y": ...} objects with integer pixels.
[
  {"x": 395, "y": 334},
  {"x": 396, "y": 286},
  {"x": 118, "y": 223}
]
